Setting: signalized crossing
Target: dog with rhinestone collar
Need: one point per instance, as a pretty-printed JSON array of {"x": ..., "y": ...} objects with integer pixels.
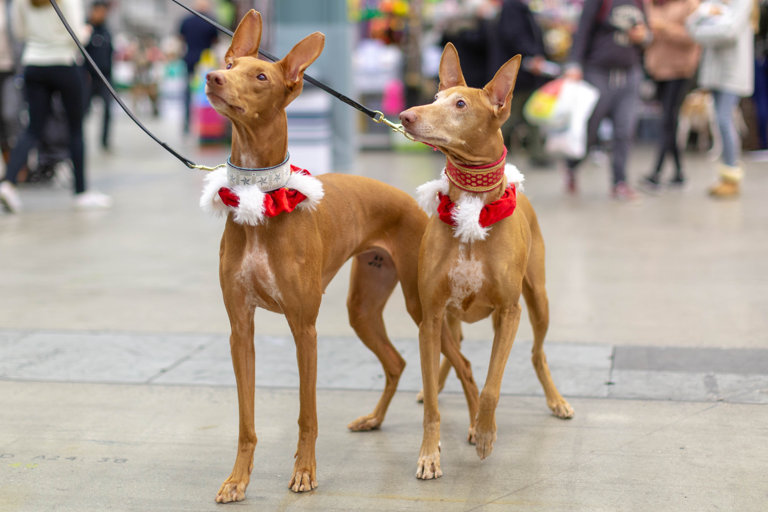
[
  {"x": 482, "y": 247},
  {"x": 287, "y": 234}
]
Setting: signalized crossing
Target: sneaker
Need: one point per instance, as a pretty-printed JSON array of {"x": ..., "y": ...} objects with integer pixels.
[
  {"x": 650, "y": 184},
  {"x": 92, "y": 200},
  {"x": 622, "y": 192},
  {"x": 677, "y": 182},
  {"x": 9, "y": 198}
]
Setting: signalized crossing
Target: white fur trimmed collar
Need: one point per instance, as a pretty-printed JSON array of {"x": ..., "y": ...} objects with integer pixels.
[
  {"x": 251, "y": 208},
  {"x": 467, "y": 215}
]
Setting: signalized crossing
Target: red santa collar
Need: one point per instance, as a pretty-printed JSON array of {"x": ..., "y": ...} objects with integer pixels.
[
  {"x": 490, "y": 213},
  {"x": 252, "y": 206},
  {"x": 470, "y": 217},
  {"x": 476, "y": 178}
]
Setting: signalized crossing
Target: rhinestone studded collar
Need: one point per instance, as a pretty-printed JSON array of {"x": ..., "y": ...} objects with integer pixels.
[
  {"x": 266, "y": 179},
  {"x": 481, "y": 178}
]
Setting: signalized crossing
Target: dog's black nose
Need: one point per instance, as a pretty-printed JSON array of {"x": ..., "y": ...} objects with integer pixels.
[{"x": 407, "y": 117}]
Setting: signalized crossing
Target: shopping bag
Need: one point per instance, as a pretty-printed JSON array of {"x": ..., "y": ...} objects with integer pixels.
[
  {"x": 570, "y": 139},
  {"x": 544, "y": 108}
]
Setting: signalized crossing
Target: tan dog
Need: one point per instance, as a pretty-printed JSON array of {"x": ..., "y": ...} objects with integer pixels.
[
  {"x": 476, "y": 275},
  {"x": 697, "y": 115},
  {"x": 284, "y": 263}
]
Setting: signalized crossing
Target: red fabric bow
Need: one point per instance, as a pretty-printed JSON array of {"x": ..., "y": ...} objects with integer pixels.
[
  {"x": 490, "y": 214},
  {"x": 275, "y": 202}
]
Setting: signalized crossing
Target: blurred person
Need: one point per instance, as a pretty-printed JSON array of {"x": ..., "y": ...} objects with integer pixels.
[
  {"x": 100, "y": 49},
  {"x": 725, "y": 30},
  {"x": 198, "y": 36},
  {"x": 760, "y": 96},
  {"x": 671, "y": 61},
  {"x": 518, "y": 32},
  {"x": 7, "y": 69},
  {"x": 50, "y": 66},
  {"x": 467, "y": 24},
  {"x": 607, "y": 53}
]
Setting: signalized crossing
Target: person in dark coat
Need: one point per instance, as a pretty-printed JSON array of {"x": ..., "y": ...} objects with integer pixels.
[
  {"x": 100, "y": 49},
  {"x": 198, "y": 35},
  {"x": 607, "y": 52},
  {"x": 518, "y": 32}
]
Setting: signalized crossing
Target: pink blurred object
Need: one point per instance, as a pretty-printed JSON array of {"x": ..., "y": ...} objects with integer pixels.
[{"x": 393, "y": 98}]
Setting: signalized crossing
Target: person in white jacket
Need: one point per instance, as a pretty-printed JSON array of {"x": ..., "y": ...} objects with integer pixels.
[
  {"x": 724, "y": 30},
  {"x": 50, "y": 66}
]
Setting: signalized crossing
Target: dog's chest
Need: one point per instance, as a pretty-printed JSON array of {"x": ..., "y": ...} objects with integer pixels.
[
  {"x": 466, "y": 278},
  {"x": 258, "y": 278}
]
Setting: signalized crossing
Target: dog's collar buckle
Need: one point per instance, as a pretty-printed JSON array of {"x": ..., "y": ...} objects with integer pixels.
[{"x": 266, "y": 179}]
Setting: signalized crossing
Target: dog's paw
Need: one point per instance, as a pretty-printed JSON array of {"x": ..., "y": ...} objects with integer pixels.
[
  {"x": 484, "y": 442},
  {"x": 363, "y": 423},
  {"x": 231, "y": 491},
  {"x": 428, "y": 467},
  {"x": 562, "y": 410},
  {"x": 420, "y": 397},
  {"x": 302, "y": 481},
  {"x": 471, "y": 435}
]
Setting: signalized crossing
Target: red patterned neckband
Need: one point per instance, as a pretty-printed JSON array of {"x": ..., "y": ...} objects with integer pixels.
[{"x": 481, "y": 178}]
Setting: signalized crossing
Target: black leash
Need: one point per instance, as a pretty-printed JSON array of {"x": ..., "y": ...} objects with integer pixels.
[
  {"x": 349, "y": 101},
  {"x": 186, "y": 161},
  {"x": 376, "y": 115}
]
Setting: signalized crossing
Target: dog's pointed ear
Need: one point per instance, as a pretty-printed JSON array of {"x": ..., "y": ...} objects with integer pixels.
[
  {"x": 247, "y": 37},
  {"x": 500, "y": 88},
  {"x": 450, "y": 69},
  {"x": 302, "y": 55}
]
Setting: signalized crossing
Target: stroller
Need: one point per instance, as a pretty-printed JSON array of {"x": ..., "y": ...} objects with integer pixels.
[{"x": 51, "y": 162}]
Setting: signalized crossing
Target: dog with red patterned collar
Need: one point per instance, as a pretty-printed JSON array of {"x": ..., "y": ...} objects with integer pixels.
[
  {"x": 472, "y": 268},
  {"x": 287, "y": 234}
]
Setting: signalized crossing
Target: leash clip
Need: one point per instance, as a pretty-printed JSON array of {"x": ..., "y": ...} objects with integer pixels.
[
  {"x": 398, "y": 128},
  {"x": 206, "y": 167}
]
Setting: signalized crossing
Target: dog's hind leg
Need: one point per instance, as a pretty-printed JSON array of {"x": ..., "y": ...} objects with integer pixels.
[
  {"x": 372, "y": 280},
  {"x": 535, "y": 295}
]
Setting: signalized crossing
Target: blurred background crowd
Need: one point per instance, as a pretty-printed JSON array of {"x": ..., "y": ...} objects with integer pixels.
[{"x": 385, "y": 53}]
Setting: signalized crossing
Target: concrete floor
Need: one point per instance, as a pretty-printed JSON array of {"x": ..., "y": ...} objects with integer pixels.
[
  {"x": 82, "y": 447},
  {"x": 116, "y": 391}
]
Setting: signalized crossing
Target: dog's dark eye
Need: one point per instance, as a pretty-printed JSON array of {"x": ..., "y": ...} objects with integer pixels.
[
  {"x": 461, "y": 104},
  {"x": 229, "y": 66},
  {"x": 261, "y": 77}
]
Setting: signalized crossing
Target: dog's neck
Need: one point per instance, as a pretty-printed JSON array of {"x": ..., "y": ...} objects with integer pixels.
[
  {"x": 260, "y": 144},
  {"x": 495, "y": 153}
]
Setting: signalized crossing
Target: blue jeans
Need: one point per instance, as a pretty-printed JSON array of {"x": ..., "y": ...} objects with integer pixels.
[{"x": 725, "y": 103}]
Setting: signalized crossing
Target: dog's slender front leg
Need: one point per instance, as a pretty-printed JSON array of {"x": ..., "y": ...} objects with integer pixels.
[
  {"x": 451, "y": 348},
  {"x": 506, "y": 321},
  {"x": 429, "y": 347},
  {"x": 243, "y": 360},
  {"x": 304, "y": 477}
]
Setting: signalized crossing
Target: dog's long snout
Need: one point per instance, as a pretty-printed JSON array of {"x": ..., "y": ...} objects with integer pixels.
[
  {"x": 408, "y": 117},
  {"x": 215, "y": 77}
]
